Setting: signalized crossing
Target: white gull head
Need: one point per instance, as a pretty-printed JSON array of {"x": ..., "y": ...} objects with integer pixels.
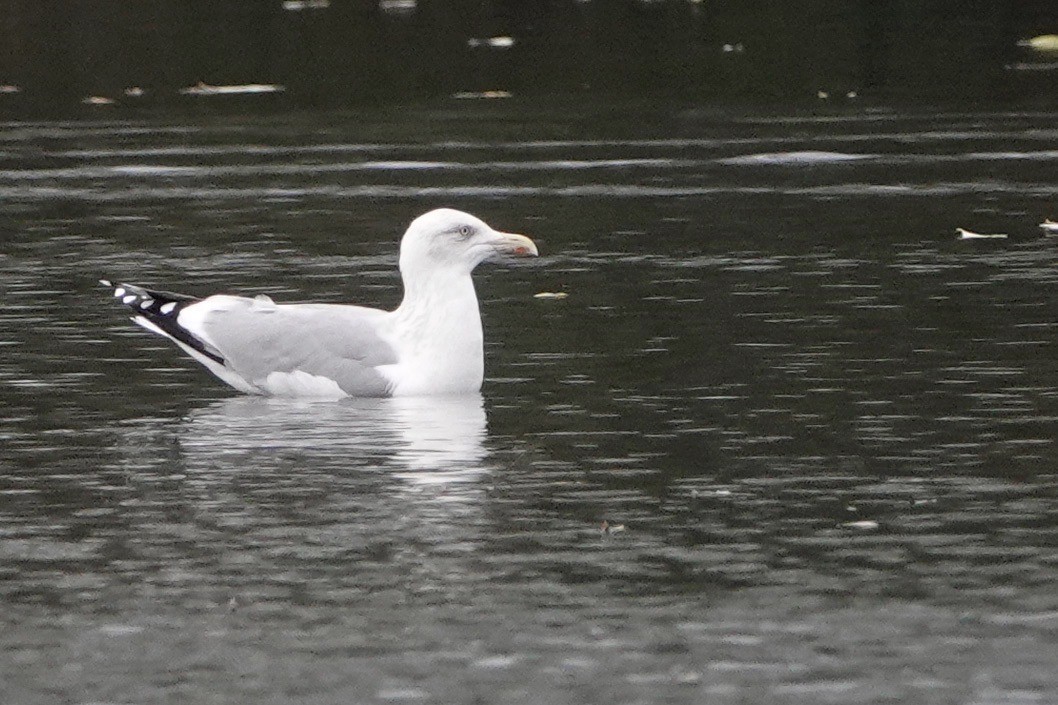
[{"x": 447, "y": 241}]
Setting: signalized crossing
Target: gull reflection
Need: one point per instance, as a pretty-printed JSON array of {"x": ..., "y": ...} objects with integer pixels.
[
  {"x": 429, "y": 440},
  {"x": 254, "y": 494}
]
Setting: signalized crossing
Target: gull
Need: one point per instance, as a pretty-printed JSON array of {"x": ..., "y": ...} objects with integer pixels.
[{"x": 429, "y": 345}]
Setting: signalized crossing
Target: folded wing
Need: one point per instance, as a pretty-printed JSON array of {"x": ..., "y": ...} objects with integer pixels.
[{"x": 296, "y": 349}]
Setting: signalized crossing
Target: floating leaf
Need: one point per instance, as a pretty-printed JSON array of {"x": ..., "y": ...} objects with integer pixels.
[
  {"x": 965, "y": 234},
  {"x": 865, "y": 524}
]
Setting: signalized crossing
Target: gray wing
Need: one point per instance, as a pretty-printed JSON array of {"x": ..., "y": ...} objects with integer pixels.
[{"x": 256, "y": 338}]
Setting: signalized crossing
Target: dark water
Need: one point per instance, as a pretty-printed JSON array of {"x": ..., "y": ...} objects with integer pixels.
[{"x": 820, "y": 429}]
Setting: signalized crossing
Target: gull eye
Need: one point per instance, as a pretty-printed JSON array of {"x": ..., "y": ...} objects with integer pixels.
[{"x": 465, "y": 231}]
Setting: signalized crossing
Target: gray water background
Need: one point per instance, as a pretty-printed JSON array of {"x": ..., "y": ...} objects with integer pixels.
[{"x": 825, "y": 425}]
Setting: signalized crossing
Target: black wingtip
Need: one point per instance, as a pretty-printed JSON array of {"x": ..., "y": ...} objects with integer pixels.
[
  {"x": 147, "y": 301},
  {"x": 161, "y": 309}
]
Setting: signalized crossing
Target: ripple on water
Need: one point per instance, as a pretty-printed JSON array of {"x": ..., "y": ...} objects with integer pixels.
[{"x": 756, "y": 419}]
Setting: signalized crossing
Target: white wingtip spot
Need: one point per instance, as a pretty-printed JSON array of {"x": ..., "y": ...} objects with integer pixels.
[
  {"x": 128, "y": 299},
  {"x": 146, "y": 303},
  {"x": 166, "y": 309},
  {"x": 119, "y": 292}
]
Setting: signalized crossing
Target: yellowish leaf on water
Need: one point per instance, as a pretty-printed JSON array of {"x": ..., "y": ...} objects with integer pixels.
[
  {"x": 1047, "y": 43},
  {"x": 965, "y": 234}
]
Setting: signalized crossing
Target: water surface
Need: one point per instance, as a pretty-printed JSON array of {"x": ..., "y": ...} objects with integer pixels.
[{"x": 786, "y": 440}]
